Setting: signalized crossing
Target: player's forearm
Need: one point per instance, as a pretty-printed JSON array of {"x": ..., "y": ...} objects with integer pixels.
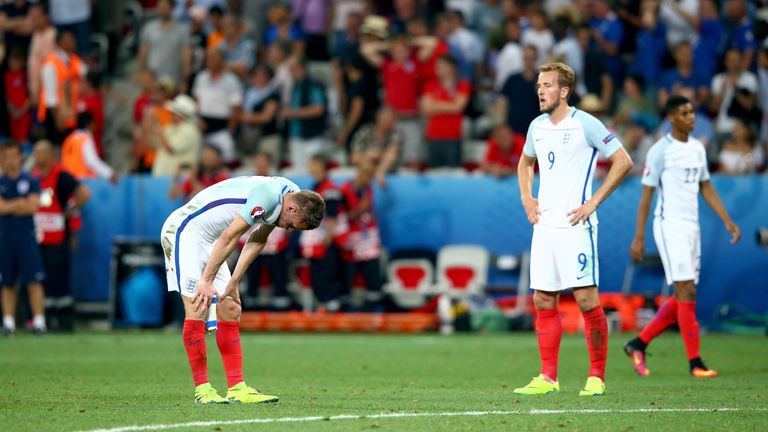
[
  {"x": 642, "y": 214},
  {"x": 249, "y": 253},
  {"x": 525, "y": 178},
  {"x": 620, "y": 166},
  {"x": 221, "y": 250},
  {"x": 712, "y": 199}
]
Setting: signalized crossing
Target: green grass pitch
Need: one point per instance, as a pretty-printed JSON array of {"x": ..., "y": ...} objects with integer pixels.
[{"x": 110, "y": 380}]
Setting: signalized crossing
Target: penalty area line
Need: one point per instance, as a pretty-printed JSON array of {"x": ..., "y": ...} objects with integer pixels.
[{"x": 339, "y": 417}]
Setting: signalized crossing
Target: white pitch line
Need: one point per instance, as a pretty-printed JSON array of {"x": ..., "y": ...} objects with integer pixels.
[{"x": 407, "y": 415}]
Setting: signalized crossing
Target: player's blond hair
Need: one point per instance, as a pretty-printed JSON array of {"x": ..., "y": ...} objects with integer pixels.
[{"x": 566, "y": 77}]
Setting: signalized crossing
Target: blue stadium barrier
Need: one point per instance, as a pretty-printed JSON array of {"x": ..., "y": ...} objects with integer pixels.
[{"x": 427, "y": 211}]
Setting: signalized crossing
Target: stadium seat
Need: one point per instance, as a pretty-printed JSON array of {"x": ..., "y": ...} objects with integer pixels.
[
  {"x": 410, "y": 281},
  {"x": 462, "y": 270}
]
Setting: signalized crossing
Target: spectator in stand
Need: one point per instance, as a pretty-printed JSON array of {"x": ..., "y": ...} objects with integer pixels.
[
  {"x": 14, "y": 25},
  {"x": 362, "y": 249},
  {"x": 17, "y": 96},
  {"x": 219, "y": 96},
  {"x": 78, "y": 153},
  {"x": 74, "y": 16},
  {"x": 43, "y": 44},
  {"x": 566, "y": 49},
  {"x": 216, "y": 27},
  {"x": 405, "y": 10},
  {"x": 443, "y": 104},
  {"x": 60, "y": 88},
  {"x": 380, "y": 142},
  {"x": 166, "y": 47},
  {"x": 488, "y": 16},
  {"x": 503, "y": 152},
  {"x": 282, "y": 28},
  {"x": 305, "y": 116},
  {"x": 740, "y": 154},
  {"x": 61, "y": 197},
  {"x": 208, "y": 172},
  {"x": 596, "y": 78},
  {"x": 260, "y": 165},
  {"x": 277, "y": 59},
  {"x": 539, "y": 36},
  {"x": 466, "y": 42},
  {"x": 346, "y": 41},
  {"x": 607, "y": 33},
  {"x": 518, "y": 103},
  {"x": 183, "y": 10},
  {"x": 703, "y": 129},
  {"x": 153, "y": 118},
  {"x": 261, "y": 107},
  {"x": 428, "y": 48},
  {"x": 708, "y": 43},
  {"x": 321, "y": 246},
  {"x": 20, "y": 255},
  {"x": 399, "y": 74},
  {"x": 92, "y": 102},
  {"x": 684, "y": 74},
  {"x": 651, "y": 45},
  {"x": 360, "y": 100},
  {"x": 239, "y": 50},
  {"x": 632, "y": 104},
  {"x": 510, "y": 59},
  {"x": 741, "y": 36},
  {"x": 638, "y": 139},
  {"x": 680, "y": 19},
  {"x": 734, "y": 83},
  {"x": 313, "y": 18},
  {"x": 180, "y": 141}
]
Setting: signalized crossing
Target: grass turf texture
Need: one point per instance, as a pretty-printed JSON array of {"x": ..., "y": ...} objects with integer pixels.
[{"x": 104, "y": 380}]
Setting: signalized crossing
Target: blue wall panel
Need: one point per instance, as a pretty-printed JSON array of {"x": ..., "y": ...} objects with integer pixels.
[{"x": 420, "y": 211}]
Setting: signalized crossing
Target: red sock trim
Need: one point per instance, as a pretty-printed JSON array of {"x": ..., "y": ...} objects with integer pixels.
[
  {"x": 228, "y": 341},
  {"x": 596, "y": 333},
  {"x": 549, "y": 332},
  {"x": 665, "y": 317},
  {"x": 193, "y": 336},
  {"x": 689, "y": 327}
]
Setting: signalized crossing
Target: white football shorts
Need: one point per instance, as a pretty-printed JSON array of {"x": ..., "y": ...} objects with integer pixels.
[
  {"x": 679, "y": 246},
  {"x": 186, "y": 255},
  {"x": 563, "y": 258}
]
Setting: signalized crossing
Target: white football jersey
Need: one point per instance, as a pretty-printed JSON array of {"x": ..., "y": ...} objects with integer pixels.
[
  {"x": 256, "y": 199},
  {"x": 567, "y": 154},
  {"x": 676, "y": 168}
]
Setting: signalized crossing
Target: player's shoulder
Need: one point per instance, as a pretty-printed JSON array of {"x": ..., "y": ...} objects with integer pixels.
[
  {"x": 659, "y": 147},
  {"x": 539, "y": 119},
  {"x": 586, "y": 119}
]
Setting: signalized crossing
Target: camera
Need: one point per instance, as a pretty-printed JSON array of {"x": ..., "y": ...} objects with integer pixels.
[{"x": 762, "y": 236}]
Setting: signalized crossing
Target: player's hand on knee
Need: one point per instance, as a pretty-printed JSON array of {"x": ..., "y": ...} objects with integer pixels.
[
  {"x": 531, "y": 206},
  {"x": 203, "y": 296},
  {"x": 637, "y": 250},
  {"x": 232, "y": 292}
]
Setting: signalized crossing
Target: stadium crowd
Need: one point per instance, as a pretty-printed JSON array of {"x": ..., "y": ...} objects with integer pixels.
[{"x": 230, "y": 87}]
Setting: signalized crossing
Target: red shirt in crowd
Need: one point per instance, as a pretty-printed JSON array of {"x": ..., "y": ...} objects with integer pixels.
[
  {"x": 141, "y": 104},
  {"x": 94, "y": 104},
  {"x": 446, "y": 126},
  {"x": 401, "y": 85},
  {"x": 426, "y": 69},
  {"x": 17, "y": 95},
  {"x": 494, "y": 155},
  {"x": 205, "y": 179}
]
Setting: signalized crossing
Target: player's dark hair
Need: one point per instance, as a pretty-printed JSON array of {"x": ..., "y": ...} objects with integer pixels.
[
  {"x": 84, "y": 119},
  {"x": 312, "y": 205},
  {"x": 674, "y": 102}
]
